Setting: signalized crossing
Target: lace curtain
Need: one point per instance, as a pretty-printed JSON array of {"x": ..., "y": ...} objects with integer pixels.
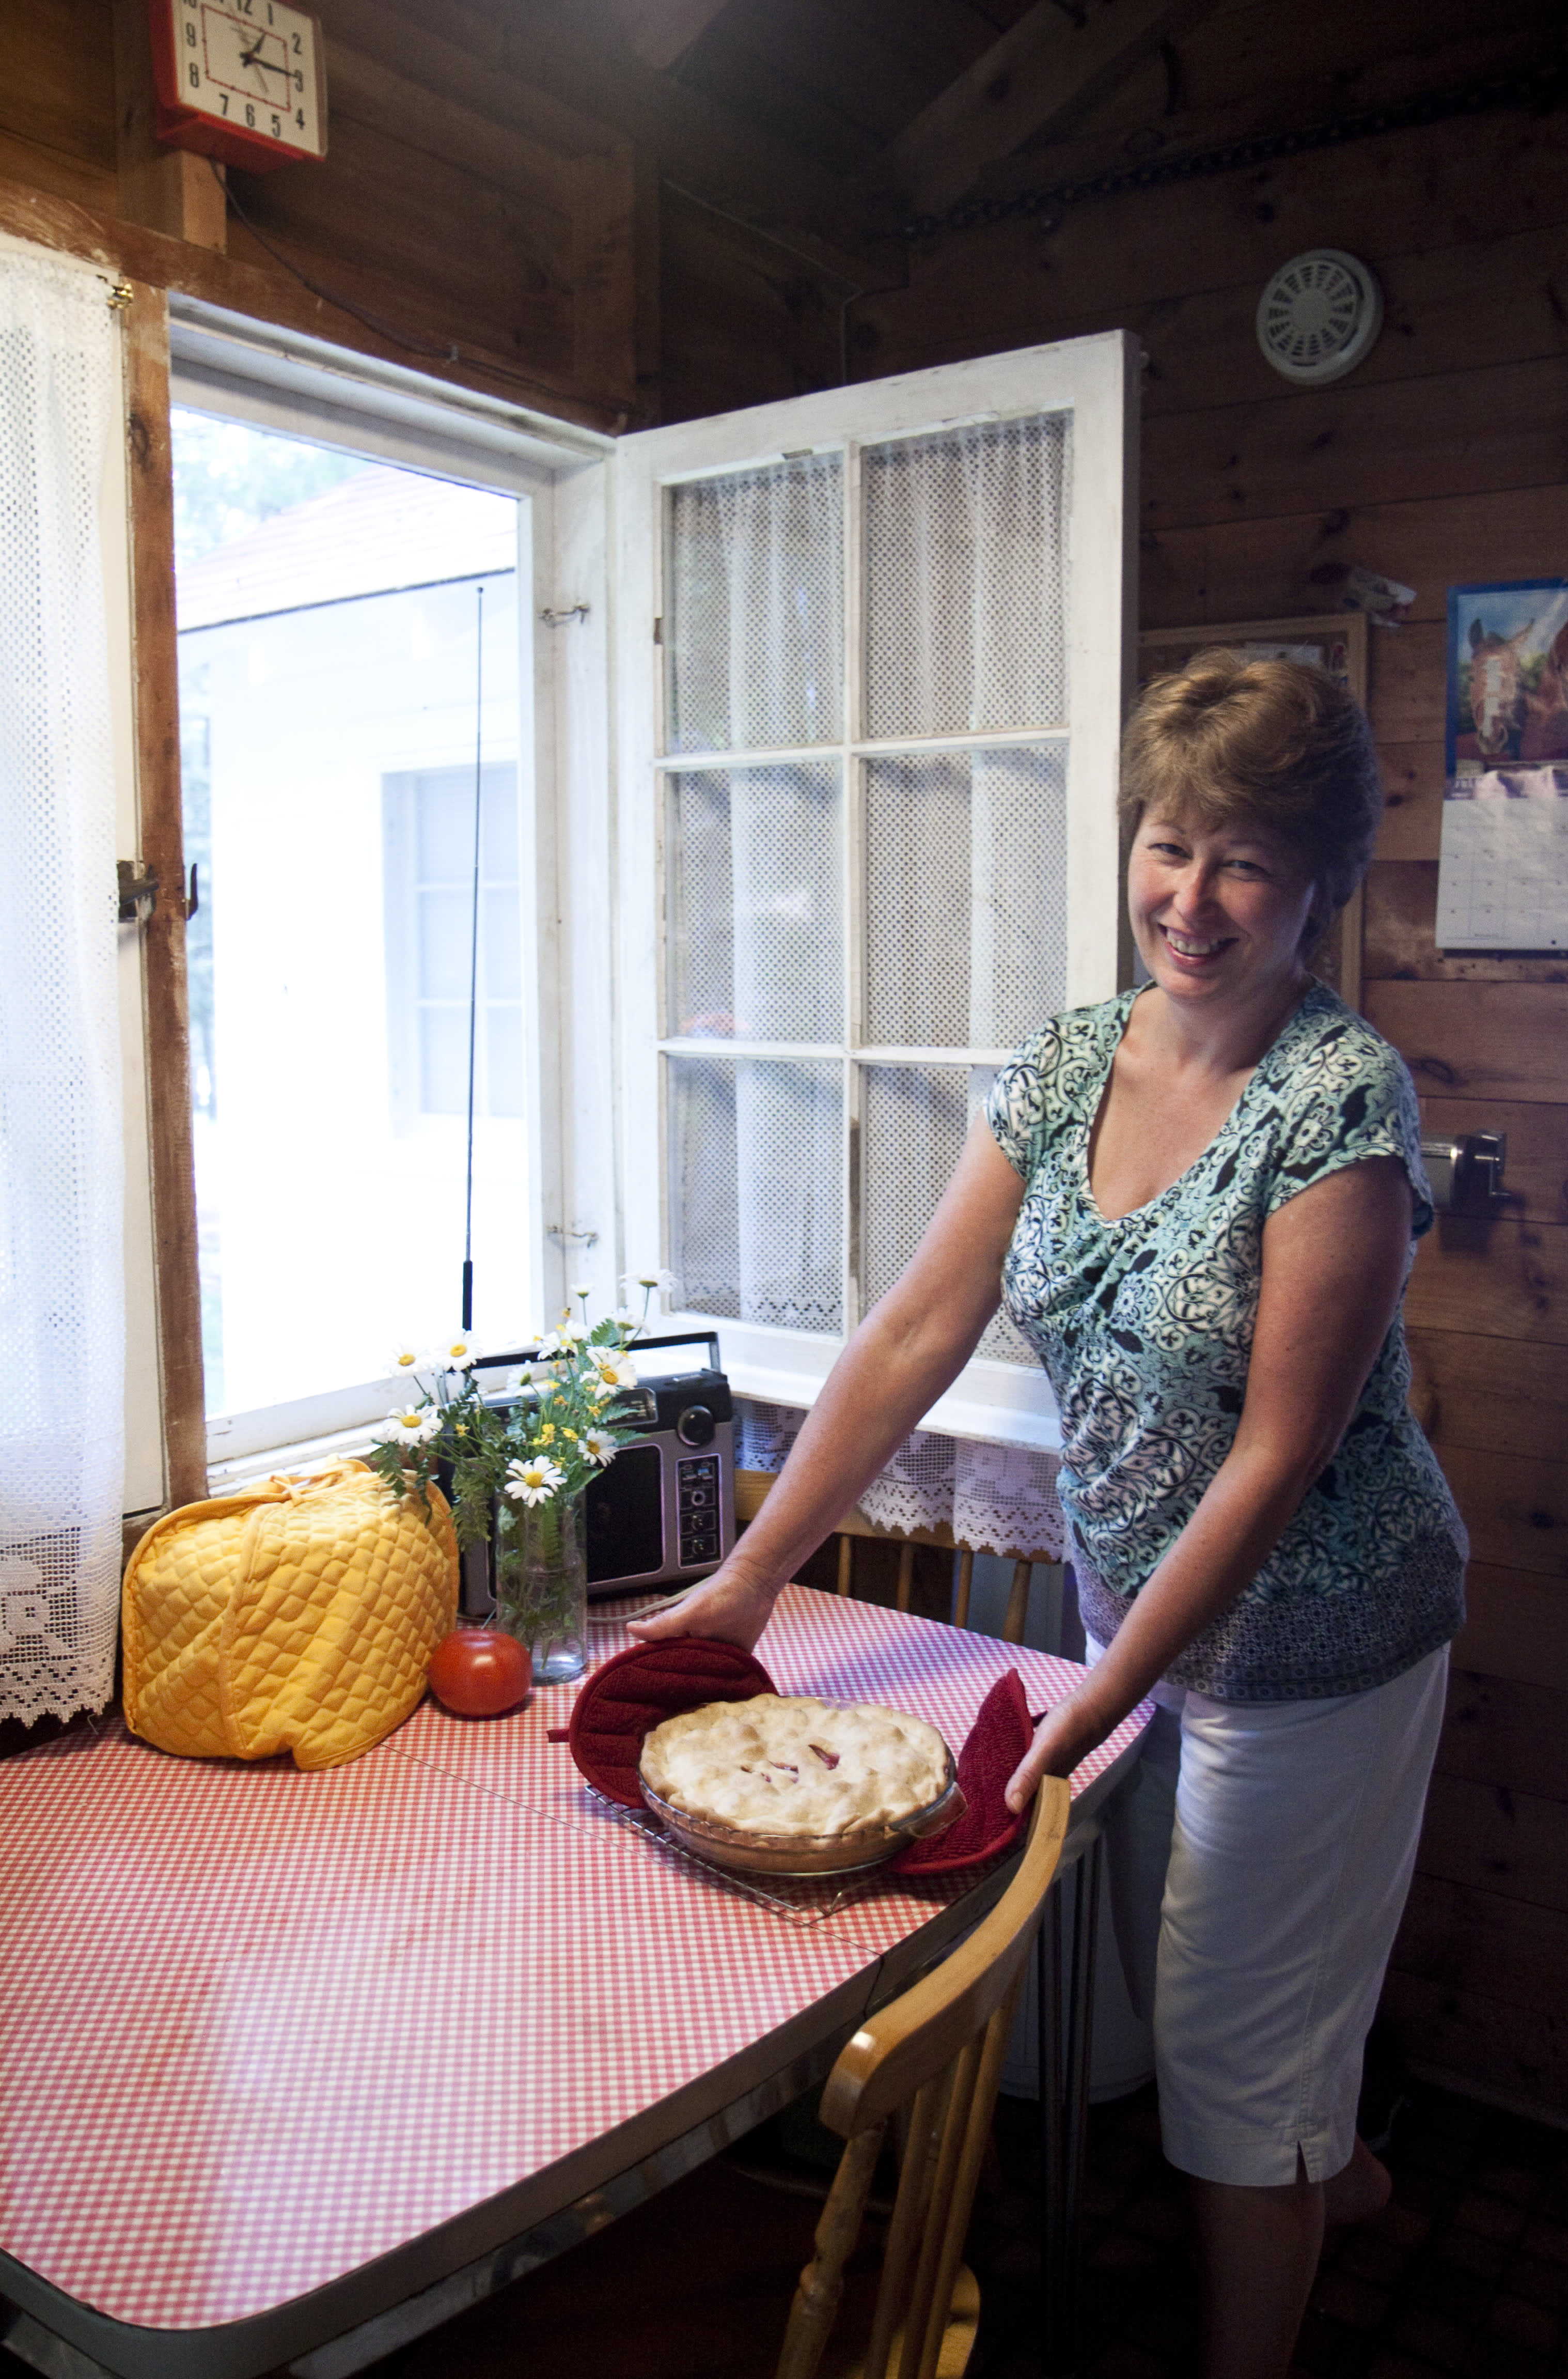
[
  {"x": 995, "y": 1499},
  {"x": 62, "y": 1306}
]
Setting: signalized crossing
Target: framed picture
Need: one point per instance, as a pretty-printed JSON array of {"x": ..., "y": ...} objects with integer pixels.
[
  {"x": 1507, "y": 676},
  {"x": 1336, "y": 640},
  {"x": 1502, "y": 882}
]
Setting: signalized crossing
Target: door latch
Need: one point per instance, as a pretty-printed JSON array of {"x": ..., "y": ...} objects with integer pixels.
[{"x": 1466, "y": 1170}]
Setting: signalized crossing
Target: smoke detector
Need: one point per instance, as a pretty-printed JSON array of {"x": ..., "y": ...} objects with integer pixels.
[{"x": 1320, "y": 315}]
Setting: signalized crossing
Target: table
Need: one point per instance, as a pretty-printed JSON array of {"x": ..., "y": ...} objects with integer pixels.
[{"x": 295, "y": 2066}]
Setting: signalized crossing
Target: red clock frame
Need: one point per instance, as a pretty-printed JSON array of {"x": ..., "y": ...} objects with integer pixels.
[{"x": 184, "y": 126}]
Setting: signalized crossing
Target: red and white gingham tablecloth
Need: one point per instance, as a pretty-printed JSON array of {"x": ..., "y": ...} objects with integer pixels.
[{"x": 260, "y": 2027}]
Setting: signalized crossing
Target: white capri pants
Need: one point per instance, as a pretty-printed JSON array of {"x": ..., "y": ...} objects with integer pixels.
[{"x": 1285, "y": 1872}]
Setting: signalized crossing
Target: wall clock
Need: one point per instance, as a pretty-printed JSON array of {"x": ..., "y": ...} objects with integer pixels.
[{"x": 244, "y": 80}]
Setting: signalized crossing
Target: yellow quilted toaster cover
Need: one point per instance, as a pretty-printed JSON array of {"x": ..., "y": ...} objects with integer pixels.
[{"x": 297, "y": 1616}]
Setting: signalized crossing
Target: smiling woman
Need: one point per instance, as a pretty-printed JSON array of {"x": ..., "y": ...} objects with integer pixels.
[{"x": 1197, "y": 1202}]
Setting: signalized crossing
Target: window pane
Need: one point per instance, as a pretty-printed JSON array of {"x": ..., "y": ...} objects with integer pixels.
[
  {"x": 328, "y": 616},
  {"x": 965, "y": 890},
  {"x": 755, "y": 935},
  {"x": 756, "y": 1207},
  {"x": 965, "y": 579},
  {"x": 754, "y": 628},
  {"x": 914, "y": 1120}
]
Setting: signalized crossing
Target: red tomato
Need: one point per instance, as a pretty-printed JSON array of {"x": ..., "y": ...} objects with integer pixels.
[{"x": 479, "y": 1671}]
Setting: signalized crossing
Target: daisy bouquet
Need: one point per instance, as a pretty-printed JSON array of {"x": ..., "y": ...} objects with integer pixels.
[{"x": 517, "y": 1464}]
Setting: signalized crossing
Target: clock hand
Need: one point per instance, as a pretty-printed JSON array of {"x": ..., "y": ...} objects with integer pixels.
[{"x": 254, "y": 59}]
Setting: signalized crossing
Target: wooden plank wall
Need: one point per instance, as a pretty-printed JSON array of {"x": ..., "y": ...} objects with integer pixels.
[{"x": 1443, "y": 459}]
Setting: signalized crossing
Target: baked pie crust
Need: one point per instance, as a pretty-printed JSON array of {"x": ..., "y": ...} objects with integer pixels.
[{"x": 794, "y": 1765}]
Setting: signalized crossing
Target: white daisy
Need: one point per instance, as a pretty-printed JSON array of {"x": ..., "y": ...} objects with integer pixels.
[
  {"x": 405, "y": 1357},
  {"x": 617, "y": 1370},
  {"x": 584, "y": 1289},
  {"x": 649, "y": 1280},
  {"x": 534, "y": 1482},
  {"x": 411, "y": 1424},
  {"x": 551, "y": 1343},
  {"x": 457, "y": 1354},
  {"x": 599, "y": 1446}
]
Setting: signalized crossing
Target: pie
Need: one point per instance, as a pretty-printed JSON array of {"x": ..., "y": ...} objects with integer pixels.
[{"x": 791, "y": 1764}]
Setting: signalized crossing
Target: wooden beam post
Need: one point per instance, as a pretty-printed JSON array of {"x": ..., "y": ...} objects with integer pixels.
[
  {"x": 1042, "y": 77},
  {"x": 660, "y": 32},
  {"x": 167, "y": 189},
  {"x": 156, "y": 675}
]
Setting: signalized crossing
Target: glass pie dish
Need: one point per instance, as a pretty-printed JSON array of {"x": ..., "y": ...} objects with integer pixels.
[{"x": 751, "y": 1852}]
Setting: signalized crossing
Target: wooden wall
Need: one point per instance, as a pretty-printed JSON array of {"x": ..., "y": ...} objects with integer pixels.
[
  {"x": 476, "y": 225},
  {"x": 1443, "y": 459}
]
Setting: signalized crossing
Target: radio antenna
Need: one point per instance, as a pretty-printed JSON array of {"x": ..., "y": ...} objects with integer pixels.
[{"x": 473, "y": 954}]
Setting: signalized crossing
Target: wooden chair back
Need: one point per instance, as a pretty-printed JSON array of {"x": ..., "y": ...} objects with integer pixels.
[{"x": 937, "y": 2053}]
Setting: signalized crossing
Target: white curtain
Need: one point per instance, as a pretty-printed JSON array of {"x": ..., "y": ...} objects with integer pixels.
[
  {"x": 756, "y": 631},
  {"x": 61, "y": 1295},
  {"x": 966, "y": 589},
  {"x": 995, "y": 1499}
]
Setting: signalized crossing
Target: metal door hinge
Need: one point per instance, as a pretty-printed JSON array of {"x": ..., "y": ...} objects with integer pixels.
[
  {"x": 137, "y": 884},
  {"x": 559, "y": 619}
]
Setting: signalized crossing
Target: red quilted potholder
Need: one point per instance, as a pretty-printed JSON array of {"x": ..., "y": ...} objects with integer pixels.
[
  {"x": 1002, "y": 1732},
  {"x": 638, "y": 1690}
]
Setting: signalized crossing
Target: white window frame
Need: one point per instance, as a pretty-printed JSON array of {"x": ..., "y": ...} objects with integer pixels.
[
  {"x": 1095, "y": 379},
  {"x": 224, "y": 363}
]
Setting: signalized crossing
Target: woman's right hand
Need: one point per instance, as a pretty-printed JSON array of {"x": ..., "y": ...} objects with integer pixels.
[{"x": 730, "y": 1605}]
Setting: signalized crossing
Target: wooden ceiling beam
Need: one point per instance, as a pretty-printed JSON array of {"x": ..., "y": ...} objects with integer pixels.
[
  {"x": 1042, "y": 77},
  {"x": 660, "y": 32}
]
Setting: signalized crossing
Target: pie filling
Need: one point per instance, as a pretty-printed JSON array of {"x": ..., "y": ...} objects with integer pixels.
[{"x": 792, "y": 1764}]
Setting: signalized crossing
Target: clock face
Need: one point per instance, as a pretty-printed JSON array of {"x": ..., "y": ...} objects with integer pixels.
[{"x": 250, "y": 70}]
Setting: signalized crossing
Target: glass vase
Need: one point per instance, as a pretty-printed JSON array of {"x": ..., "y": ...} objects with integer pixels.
[{"x": 541, "y": 1584}]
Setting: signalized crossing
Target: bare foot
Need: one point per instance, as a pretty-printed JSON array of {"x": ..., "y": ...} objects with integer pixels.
[{"x": 1360, "y": 2191}]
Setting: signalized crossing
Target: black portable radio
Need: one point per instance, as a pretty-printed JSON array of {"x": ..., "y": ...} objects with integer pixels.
[{"x": 661, "y": 1513}]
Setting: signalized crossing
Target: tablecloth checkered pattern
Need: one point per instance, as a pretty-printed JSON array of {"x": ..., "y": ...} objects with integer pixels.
[
  {"x": 815, "y": 1643},
  {"x": 259, "y": 2027}
]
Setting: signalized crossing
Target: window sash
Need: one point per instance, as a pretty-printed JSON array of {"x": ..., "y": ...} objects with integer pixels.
[{"x": 1091, "y": 381}]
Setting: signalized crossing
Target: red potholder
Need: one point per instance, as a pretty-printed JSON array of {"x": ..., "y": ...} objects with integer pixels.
[
  {"x": 638, "y": 1690},
  {"x": 1002, "y": 1732}
]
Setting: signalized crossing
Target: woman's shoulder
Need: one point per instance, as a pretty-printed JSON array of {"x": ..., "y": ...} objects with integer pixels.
[
  {"x": 1342, "y": 1095},
  {"x": 1075, "y": 1034},
  {"x": 1327, "y": 1050},
  {"x": 1053, "y": 1077}
]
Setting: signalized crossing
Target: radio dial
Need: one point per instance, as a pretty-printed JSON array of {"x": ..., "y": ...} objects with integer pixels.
[{"x": 696, "y": 1426}]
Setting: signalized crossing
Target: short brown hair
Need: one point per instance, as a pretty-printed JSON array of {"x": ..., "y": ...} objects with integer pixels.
[{"x": 1278, "y": 743}]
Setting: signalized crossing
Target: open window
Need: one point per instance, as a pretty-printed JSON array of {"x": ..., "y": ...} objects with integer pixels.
[
  {"x": 873, "y": 649},
  {"x": 370, "y": 732}
]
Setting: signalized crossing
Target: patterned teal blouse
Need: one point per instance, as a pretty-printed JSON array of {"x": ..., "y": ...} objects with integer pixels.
[{"x": 1144, "y": 1326}]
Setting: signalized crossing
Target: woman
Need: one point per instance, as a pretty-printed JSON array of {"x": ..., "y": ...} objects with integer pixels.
[{"x": 1199, "y": 1202}]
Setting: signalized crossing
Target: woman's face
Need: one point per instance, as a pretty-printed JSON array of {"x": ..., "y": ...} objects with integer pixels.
[{"x": 1218, "y": 914}]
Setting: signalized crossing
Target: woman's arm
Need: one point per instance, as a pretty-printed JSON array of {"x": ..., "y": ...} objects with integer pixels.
[
  {"x": 906, "y": 1351},
  {"x": 1334, "y": 1268}
]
